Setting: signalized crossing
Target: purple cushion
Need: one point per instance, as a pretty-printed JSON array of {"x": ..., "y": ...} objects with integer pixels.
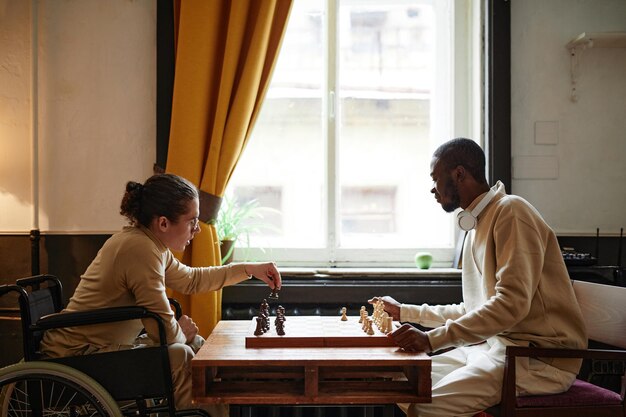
[{"x": 580, "y": 393}]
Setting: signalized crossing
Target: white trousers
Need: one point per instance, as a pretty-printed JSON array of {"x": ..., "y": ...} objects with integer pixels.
[{"x": 468, "y": 380}]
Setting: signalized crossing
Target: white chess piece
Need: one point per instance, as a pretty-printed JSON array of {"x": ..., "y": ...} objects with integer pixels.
[
  {"x": 389, "y": 321},
  {"x": 383, "y": 323},
  {"x": 361, "y": 314}
]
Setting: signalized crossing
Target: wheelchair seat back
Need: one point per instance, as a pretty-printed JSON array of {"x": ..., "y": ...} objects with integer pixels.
[{"x": 39, "y": 296}]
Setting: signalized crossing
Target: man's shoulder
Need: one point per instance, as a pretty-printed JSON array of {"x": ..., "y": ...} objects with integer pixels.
[
  {"x": 516, "y": 203},
  {"x": 514, "y": 206}
]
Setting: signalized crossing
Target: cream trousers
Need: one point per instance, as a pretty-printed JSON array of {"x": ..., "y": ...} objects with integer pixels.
[
  {"x": 180, "y": 363},
  {"x": 468, "y": 380}
]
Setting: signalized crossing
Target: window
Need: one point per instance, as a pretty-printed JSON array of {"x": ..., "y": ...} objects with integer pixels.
[
  {"x": 362, "y": 93},
  {"x": 367, "y": 210},
  {"x": 270, "y": 221}
]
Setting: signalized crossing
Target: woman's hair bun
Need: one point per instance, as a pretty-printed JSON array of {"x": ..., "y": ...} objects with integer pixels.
[{"x": 131, "y": 202}]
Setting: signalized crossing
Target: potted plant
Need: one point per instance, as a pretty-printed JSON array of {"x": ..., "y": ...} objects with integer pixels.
[{"x": 235, "y": 222}]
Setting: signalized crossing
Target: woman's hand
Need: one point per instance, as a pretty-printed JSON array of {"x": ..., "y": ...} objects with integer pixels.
[
  {"x": 265, "y": 271},
  {"x": 411, "y": 339},
  {"x": 391, "y": 306},
  {"x": 188, "y": 327}
]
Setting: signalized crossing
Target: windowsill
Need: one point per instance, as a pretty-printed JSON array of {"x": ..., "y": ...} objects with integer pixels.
[
  {"x": 368, "y": 273},
  {"x": 315, "y": 290}
]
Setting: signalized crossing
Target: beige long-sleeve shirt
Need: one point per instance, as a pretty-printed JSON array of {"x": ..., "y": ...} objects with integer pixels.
[
  {"x": 515, "y": 286},
  {"x": 133, "y": 268}
]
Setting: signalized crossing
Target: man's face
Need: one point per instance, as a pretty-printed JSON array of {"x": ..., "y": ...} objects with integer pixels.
[{"x": 444, "y": 187}]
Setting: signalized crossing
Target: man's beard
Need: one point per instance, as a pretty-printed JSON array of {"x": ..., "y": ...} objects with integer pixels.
[{"x": 452, "y": 193}]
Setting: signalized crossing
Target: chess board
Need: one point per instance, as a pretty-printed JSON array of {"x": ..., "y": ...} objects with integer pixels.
[{"x": 317, "y": 331}]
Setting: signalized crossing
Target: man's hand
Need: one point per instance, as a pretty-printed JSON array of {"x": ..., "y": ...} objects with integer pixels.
[
  {"x": 411, "y": 339},
  {"x": 189, "y": 328},
  {"x": 265, "y": 271},
  {"x": 391, "y": 306}
]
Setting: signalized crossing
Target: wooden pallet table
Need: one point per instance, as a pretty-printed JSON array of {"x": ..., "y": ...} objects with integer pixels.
[{"x": 225, "y": 371}]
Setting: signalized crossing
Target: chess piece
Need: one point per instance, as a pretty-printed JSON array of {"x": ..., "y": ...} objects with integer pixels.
[
  {"x": 281, "y": 310},
  {"x": 370, "y": 329},
  {"x": 274, "y": 294},
  {"x": 377, "y": 315},
  {"x": 265, "y": 307},
  {"x": 361, "y": 314},
  {"x": 259, "y": 327},
  {"x": 389, "y": 326},
  {"x": 280, "y": 326},
  {"x": 384, "y": 325},
  {"x": 265, "y": 322},
  {"x": 344, "y": 316}
]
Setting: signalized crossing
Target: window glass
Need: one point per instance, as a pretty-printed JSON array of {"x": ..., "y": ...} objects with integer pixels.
[
  {"x": 286, "y": 150},
  {"x": 368, "y": 210},
  {"x": 362, "y": 93}
]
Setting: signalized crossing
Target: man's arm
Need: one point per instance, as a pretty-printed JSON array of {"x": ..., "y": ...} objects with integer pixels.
[{"x": 519, "y": 260}]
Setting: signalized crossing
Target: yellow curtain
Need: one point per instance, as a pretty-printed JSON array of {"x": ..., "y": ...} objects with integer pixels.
[{"x": 225, "y": 53}]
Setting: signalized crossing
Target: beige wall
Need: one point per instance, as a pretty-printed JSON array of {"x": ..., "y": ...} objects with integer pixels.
[
  {"x": 588, "y": 190},
  {"x": 15, "y": 170},
  {"x": 96, "y": 110},
  {"x": 96, "y": 101}
]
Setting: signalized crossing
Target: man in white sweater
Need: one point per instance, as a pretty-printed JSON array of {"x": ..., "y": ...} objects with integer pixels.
[{"x": 516, "y": 291}]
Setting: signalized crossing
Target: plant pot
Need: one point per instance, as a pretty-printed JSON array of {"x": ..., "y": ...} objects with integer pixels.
[{"x": 227, "y": 250}]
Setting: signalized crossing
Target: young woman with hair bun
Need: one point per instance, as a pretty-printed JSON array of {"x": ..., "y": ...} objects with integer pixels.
[{"x": 136, "y": 265}]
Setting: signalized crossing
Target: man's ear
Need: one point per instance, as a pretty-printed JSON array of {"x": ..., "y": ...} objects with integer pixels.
[{"x": 459, "y": 173}]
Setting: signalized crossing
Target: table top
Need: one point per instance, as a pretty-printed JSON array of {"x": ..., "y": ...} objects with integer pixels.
[
  {"x": 226, "y": 346},
  {"x": 225, "y": 371}
]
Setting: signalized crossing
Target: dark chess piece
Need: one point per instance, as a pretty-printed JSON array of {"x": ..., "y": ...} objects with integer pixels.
[
  {"x": 280, "y": 311},
  {"x": 274, "y": 294},
  {"x": 280, "y": 326},
  {"x": 264, "y": 308},
  {"x": 263, "y": 319},
  {"x": 259, "y": 327}
]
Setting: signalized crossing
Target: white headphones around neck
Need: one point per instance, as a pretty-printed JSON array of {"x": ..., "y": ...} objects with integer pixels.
[{"x": 468, "y": 219}]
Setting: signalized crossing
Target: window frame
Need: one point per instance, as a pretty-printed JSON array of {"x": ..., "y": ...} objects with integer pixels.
[{"x": 494, "y": 129}]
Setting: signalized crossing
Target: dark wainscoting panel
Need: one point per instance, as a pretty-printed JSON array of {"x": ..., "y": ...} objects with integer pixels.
[
  {"x": 15, "y": 253},
  {"x": 66, "y": 256}
]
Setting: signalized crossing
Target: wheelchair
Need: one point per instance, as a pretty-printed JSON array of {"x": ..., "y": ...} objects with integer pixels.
[{"x": 135, "y": 382}]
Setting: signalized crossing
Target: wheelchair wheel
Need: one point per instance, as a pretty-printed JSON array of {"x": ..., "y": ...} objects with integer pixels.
[{"x": 41, "y": 389}]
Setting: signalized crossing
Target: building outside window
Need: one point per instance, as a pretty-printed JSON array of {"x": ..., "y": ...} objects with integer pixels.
[{"x": 362, "y": 93}]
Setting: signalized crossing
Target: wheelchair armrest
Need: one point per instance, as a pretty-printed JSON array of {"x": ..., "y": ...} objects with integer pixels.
[
  {"x": 5, "y": 289},
  {"x": 178, "y": 309},
  {"x": 99, "y": 316}
]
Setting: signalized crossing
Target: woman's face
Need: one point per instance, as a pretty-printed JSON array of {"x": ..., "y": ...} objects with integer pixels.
[{"x": 177, "y": 235}]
